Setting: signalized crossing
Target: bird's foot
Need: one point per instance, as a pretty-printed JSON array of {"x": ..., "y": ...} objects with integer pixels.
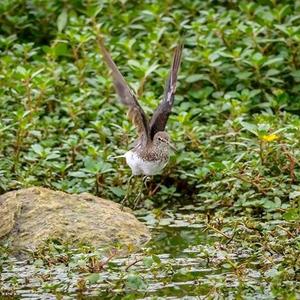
[
  {"x": 137, "y": 199},
  {"x": 123, "y": 202}
]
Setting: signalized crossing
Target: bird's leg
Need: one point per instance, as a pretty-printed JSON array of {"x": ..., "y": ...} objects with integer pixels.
[
  {"x": 138, "y": 197},
  {"x": 127, "y": 192},
  {"x": 146, "y": 179}
]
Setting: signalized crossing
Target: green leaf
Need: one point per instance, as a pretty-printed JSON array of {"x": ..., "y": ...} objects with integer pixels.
[
  {"x": 78, "y": 174},
  {"x": 135, "y": 282},
  {"x": 296, "y": 75},
  {"x": 151, "y": 69},
  {"x": 272, "y": 72},
  {"x": 135, "y": 64},
  {"x": 92, "y": 165},
  {"x": 117, "y": 191},
  {"x": 20, "y": 70},
  {"x": 231, "y": 95},
  {"x": 37, "y": 148},
  {"x": 243, "y": 75},
  {"x": 61, "y": 49},
  {"x": 195, "y": 78},
  {"x": 249, "y": 127},
  {"x": 156, "y": 259},
  {"x": 254, "y": 93},
  {"x": 148, "y": 261},
  {"x": 271, "y": 205},
  {"x": 258, "y": 58},
  {"x": 273, "y": 61},
  {"x": 292, "y": 214},
  {"x": 93, "y": 278},
  {"x": 62, "y": 20},
  {"x": 39, "y": 263},
  {"x": 52, "y": 156}
]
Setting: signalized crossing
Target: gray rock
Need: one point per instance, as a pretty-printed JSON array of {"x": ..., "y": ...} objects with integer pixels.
[{"x": 29, "y": 217}]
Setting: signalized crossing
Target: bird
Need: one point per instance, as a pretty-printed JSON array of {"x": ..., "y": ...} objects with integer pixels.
[{"x": 151, "y": 150}]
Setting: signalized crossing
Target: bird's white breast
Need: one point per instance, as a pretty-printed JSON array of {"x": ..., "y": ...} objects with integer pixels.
[{"x": 141, "y": 167}]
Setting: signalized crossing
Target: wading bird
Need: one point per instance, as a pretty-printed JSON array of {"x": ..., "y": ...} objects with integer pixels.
[{"x": 151, "y": 151}]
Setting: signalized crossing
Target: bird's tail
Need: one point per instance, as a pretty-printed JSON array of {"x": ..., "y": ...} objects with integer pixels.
[{"x": 118, "y": 156}]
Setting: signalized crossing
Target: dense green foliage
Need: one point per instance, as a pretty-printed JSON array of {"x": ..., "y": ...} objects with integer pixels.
[
  {"x": 60, "y": 121},
  {"x": 235, "y": 121}
]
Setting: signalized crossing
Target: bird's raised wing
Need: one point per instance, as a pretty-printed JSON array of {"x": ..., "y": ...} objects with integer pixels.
[
  {"x": 160, "y": 116},
  {"x": 127, "y": 97}
]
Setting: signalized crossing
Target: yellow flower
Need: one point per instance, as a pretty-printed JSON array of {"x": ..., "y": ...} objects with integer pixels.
[{"x": 270, "y": 137}]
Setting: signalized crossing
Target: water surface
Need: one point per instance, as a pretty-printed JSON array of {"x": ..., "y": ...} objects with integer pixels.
[{"x": 191, "y": 256}]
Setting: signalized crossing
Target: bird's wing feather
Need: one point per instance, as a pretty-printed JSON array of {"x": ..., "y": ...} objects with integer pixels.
[
  {"x": 160, "y": 116},
  {"x": 135, "y": 113}
]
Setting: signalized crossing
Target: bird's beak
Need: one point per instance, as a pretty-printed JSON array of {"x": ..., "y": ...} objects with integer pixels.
[{"x": 172, "y": 147}]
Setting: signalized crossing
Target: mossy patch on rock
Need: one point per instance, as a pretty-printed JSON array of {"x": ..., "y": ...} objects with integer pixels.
[{"x": 29, "y": 217}]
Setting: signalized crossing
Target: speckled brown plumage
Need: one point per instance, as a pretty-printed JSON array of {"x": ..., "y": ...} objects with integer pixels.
[{"x": 151, "y": 151}]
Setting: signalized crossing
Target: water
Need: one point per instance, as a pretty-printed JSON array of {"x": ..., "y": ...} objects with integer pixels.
[{"x": 188, "y": 258}]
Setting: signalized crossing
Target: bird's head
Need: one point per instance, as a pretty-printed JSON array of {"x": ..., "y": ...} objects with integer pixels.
[{"x": 162, "y": 139}]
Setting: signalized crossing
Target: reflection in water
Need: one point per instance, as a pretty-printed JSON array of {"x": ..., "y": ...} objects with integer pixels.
[{"x": 187, "y": 260}]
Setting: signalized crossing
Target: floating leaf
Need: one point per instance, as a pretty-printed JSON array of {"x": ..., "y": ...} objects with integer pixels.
[
  {"x": 93, "y": 278},
  {"x": 292, "y": 214},
  {"x": 135, "y": 282},
  {"x": 148, "y": 261}
]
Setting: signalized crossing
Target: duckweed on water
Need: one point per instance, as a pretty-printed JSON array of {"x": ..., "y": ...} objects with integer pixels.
[
  {"x": 190, "y": 255},
  {"x": 225, "y": 213}
]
